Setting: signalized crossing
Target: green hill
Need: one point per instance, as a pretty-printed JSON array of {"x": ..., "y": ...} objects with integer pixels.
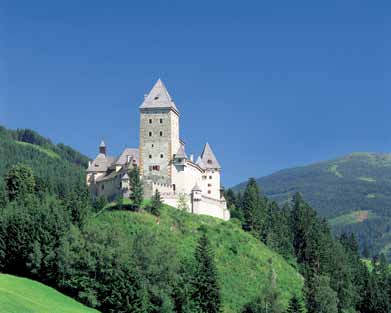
[
  {"x": 244, "y": 264},
  {"x": 354, "y": 192},
  {"x": 21, "y": 295}
]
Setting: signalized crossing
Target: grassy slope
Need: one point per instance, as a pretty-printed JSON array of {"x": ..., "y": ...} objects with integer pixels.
[
  {"x": 357, "y": 182},
  {"x": 242, "y": 261},
  {"x": 21, "y": 295}
]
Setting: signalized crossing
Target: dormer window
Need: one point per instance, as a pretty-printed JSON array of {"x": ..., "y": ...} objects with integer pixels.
[
  {"x": 209, "y": 161},
  {"x": 157, "y": 97}
]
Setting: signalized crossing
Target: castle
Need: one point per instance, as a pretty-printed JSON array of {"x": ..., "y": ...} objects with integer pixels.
[{"x": 163, "y": 163}]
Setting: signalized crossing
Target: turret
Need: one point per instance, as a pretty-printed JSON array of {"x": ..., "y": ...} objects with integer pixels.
[{"x": 102, "y": 148}]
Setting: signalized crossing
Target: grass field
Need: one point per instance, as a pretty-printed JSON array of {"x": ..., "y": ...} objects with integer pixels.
[{"x": 21, "y": 295}]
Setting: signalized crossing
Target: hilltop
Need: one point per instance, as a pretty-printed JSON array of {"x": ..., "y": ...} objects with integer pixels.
[
  {"x": 243, "y": 262},
  {"x": 353, "y": 192},
  {"x": 20, "y": 295}
]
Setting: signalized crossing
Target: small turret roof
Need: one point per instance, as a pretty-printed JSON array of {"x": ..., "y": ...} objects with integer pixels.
[
  {"x": 209, "y": 159},
  {"x": 196, "y": 187},
  {"x": 158, "y": 97},
  {"x": 102, "y": 144},
  {"x": 200, "y": 163},
  {"x": 181, "y": 154}
]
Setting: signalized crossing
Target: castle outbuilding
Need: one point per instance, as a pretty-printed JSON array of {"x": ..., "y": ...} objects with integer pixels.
[{"x": 163, "y": 163}]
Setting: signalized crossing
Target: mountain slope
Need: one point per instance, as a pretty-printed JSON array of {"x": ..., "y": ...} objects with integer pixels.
[
  {"x": 57, "y": 167},
  {"x": 354, "y": 192},
  {"x": 21, "y": 295},
  {"x": 244, "y": 264}
]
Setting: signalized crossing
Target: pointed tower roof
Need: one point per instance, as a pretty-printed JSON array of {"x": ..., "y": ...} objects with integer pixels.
[
  {"x": 102, "y": 144},
  {"x": 209, "y": 158},
  {"x": 158, "y": 97},
  {"x": 181, "y": 154}
]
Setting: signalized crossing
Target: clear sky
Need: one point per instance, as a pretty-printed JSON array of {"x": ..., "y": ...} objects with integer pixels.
[{"x": 269, "y": 84}]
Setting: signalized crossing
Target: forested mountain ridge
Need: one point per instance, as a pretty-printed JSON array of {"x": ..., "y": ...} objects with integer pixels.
[
  {"x": 58, "y": 168},
  {"x": 353, "y": 192}
]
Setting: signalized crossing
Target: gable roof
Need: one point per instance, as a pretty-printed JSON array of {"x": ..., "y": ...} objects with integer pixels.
[
  {"x": 209, "y": 159},
  {"x": 159, "y": 98},
  {"x": 101, "y": 163},
  {"x": 123, "y": 158}
]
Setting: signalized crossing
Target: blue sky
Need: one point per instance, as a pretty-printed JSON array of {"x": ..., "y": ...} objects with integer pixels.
[{"x": 269, "y": 84}]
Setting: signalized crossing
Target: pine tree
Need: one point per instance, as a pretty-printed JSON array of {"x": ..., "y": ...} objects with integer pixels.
[
  {"x": 206, "y": 290},
  {"x": 295, "y": 305},
  {"x": 156, "y": 204},
  {"x": 136, "y": 187},
  {"x": 250, "y": 204}
]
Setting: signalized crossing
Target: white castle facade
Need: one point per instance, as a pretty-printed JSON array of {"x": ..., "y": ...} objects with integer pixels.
[{"x": 163, "y": 163}]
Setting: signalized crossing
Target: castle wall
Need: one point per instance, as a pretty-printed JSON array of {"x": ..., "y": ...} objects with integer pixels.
[
  {"x": 212, "y": 207},
  {"x": 211, "y": 184}
]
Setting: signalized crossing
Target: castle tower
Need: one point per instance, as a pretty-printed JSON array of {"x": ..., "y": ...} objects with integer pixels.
[{"x": 159, "y": 134}]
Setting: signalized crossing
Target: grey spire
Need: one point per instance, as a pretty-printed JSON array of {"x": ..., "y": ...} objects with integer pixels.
[
  {"x": 159, "y": 97},
  {"x": 181, "y": 154},
  {"x": 209, "y": 158},
  {"x": 196, "y": 187}
]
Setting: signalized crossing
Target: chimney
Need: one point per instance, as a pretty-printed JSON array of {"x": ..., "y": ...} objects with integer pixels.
[
  {"x": 102, "y": 148},
  {"x": 192, "y": 157},
  {"x": 128, "y": 159}
]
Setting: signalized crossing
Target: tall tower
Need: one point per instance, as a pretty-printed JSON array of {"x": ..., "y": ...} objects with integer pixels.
[{"x": 159, "y": 134}]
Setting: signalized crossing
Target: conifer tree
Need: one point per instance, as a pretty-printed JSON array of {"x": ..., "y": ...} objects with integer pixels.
[
  {"x": 295, "y": 305},
  {"x": 250, "y": 204},
  {"x": 206, "y": 290},
  {"x": 156, "y": 204},
  {"x": 136, "y": 187}
]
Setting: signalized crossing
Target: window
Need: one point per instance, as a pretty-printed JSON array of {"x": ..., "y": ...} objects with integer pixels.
[
  {"x": 204, "y": 177},
  {"x": 210, "y": 177},
  {"x": 150, "y": 134},
  {"x": 209, "y": 161},
  {"x": 156, "y": 98},
  {"x": 150, "y": 156},
  {"x": 209, "y": 192},
  {"x": 155, "y": 167},
  {"x": 152, "y": 145},
  {"x": 161, "y": 121},
  {"x": 161, "y": 134},
  {"x": 161, "y": 155},
  {"x": 150, "y": 121},
  {"x": 103, "y": 187},
  {"x": 209, "y": 185}
]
